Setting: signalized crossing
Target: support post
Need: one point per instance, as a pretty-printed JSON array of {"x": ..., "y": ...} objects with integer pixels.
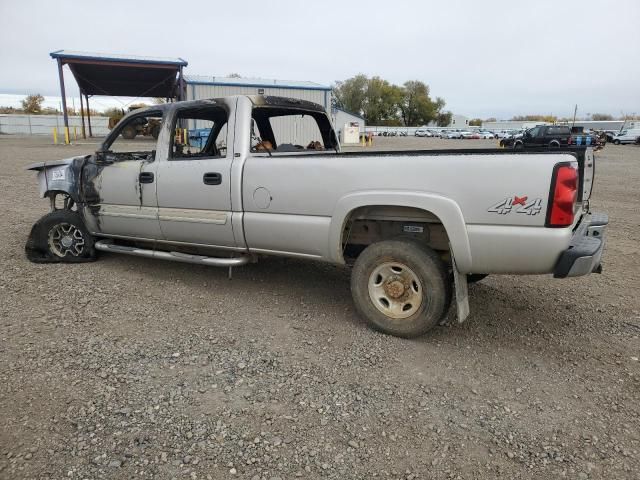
[
  {"x": 63, "y": 94},
  {"x": 181, "y": 84},
  {"x": 84, "y": 134},
  {"x": 88, "y": 116}
]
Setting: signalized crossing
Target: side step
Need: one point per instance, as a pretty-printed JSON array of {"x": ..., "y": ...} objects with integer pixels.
[{"x": 109, "y": 246}]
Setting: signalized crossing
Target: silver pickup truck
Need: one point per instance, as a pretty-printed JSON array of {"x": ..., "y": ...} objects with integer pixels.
[{"x": 234, "y": 178}]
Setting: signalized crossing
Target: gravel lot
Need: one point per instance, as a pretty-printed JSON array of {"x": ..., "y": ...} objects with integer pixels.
[{"x": 132, "y": 368}]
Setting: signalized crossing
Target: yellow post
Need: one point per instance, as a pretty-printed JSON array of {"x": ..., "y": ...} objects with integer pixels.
[
  {"x": 75, "y": 133},
  {"x": 66, "y": 135},
  {"x": 186, "y": 137},
  {"x": 362, "y": 141},
  {"x": 55, "y": 136}
]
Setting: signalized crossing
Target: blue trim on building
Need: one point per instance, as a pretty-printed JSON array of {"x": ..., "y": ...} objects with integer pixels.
[
  {"x": 71, "y": 56},
  {"x": 260, "y": 85}
]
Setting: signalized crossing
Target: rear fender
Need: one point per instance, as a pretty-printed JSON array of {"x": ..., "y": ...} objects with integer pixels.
[{"x": 447, "y": 211}]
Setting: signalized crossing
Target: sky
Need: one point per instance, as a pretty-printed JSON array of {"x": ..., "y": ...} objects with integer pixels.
[{"x": 488, "y": 58}]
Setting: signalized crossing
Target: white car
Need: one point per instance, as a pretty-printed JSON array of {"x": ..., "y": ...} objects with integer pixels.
[
  {"x": 450, "y": 135},
  {"x": 626, "y": 136},
  {"x": 423, "y": 132},
  {"x": 486, "y": 135},
  {"x": 465, "y": 134}
]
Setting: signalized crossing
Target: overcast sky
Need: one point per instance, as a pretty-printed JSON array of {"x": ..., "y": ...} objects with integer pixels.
[{"x": 485, "y": 58}]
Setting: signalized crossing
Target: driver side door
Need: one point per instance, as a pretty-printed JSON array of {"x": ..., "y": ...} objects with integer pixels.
[{"x": 123, "y": 185}]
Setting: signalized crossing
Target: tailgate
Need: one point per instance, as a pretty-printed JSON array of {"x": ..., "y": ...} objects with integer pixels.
[{"x": 587, "y": 165}]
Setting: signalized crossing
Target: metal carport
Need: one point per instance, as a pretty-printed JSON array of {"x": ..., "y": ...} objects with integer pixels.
[{"x": 119, "y": 75}]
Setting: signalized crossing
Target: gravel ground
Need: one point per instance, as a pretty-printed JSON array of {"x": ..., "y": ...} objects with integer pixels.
[{"x": 132, "y": 368}]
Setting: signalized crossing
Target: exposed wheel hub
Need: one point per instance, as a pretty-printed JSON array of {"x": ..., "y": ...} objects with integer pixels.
[{"x": 395, "y": 290}]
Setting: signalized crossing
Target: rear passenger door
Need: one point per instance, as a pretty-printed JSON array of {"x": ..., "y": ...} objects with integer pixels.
[{"x": 193, "y": 186}]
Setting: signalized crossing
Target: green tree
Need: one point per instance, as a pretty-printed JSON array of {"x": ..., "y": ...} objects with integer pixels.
[
  {"x": 381, "y": 103},
  {"x": 535, "y": 118},
  {"x": 444, "y": 118},
  {"x": 416, "y": 106},
  {"x": 33, "y": 103},
  {"x": 475, "y": 122},
  {"x": 351, "y": 94},
  {"x": 491, "y": 119},
  {"x": 601, "y": 117}
]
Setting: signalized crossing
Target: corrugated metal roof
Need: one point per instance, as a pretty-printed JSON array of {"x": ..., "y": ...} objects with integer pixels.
[
  {"x": 116, "y": 57},
  {"x": 254, "y": 82}
]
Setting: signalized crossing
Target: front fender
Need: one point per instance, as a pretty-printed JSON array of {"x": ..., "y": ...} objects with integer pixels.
[
  {"x": 59, "y": 176},
  {"x": 444, "y": 208}
]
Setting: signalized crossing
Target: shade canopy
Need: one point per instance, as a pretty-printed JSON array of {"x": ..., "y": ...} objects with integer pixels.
[{"x": 123, "y": 76}]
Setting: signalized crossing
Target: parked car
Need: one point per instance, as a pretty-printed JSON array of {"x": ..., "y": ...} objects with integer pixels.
[
  {"x": 486, "y": 135},
  {"x": 450, "y": 134},
  {"x": 465, "y": 134},
  {"x": 552, "y": 136},
  {"x": 423, "y": 132},
  {"x": 412, "y": 232},
  {"x": 626, "y": 136}
]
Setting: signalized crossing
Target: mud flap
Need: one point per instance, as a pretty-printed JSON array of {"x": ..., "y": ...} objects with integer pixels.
[{"x": 462, "y": 292}]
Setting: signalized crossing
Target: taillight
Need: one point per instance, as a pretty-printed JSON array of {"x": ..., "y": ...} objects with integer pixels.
[
  {"x": 570, "y": 141},
  {"x": 564, "y": 191}
]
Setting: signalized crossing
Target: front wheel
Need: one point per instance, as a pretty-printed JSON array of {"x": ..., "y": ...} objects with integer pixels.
[
  {"x": 60, "y": 236},
  {"x": 400, "y": 287},
  {"x": 616, "y": 142}
]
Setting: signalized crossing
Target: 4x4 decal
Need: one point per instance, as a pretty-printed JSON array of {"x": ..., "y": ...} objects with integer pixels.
[{"x": 517, "y": 204}]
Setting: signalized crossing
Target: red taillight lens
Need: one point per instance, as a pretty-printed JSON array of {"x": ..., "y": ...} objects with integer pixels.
[
  {"x": 565, "y": 192},
  {"x": 570, "y": 141}
]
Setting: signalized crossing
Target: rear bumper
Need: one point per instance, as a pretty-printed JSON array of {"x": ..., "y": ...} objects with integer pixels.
[{"x": 585, "y": 250}]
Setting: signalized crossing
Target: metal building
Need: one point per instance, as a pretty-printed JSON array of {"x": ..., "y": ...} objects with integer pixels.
[
  {"x": 292, "y": 130},
  {"x": 342, "y": 117}
]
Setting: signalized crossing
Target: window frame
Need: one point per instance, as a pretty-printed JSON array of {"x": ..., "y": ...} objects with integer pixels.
[
  {"x": 174, "y": 123},
  {"x": 117, "y": 130}
]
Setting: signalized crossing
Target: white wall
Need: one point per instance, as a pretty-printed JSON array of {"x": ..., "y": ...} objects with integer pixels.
[{"x": 44, "y": 124}]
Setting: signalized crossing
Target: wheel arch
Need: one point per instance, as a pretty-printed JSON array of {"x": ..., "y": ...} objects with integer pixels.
[{"x": 444, "y": 209}]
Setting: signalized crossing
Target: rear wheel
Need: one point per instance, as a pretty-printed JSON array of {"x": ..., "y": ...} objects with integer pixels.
[
  {"x": 518, "y": 146},
  {"x": 400, "y": 287}
]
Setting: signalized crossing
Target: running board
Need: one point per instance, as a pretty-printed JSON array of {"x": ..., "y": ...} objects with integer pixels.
[{"x": 109, "y": 246}]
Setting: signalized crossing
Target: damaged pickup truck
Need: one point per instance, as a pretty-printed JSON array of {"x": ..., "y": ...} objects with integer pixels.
[{"x": 266, "y": 176}]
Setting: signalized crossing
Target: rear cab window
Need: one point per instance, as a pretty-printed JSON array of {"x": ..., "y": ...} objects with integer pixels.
[{"x": 277, "y": 129}]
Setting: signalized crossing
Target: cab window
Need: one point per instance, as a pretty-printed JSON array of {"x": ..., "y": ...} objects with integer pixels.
[
  {"x": 135, "y": 137},
  {"x": 199, "y": 133}
]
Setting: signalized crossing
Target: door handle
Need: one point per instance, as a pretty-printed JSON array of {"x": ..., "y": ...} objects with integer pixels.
[
  {"x": 212, "y": 178},
  {"x": 146, "y": 177}
]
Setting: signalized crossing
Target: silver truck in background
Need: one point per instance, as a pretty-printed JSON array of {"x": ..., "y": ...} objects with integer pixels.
[{"x": 266, "y": 177}]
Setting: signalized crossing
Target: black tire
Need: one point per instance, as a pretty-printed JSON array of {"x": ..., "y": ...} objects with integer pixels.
[
  {"x": 518, "y": 146},
  {"x": 155, "y": 131},
  {"x": 420, "y": 262},
  {"x": 476, "y": 277},
  {"x": 129, "y": 132},
  {"x": 60, "y": 236},
  {"x": 554, "y": 145}
]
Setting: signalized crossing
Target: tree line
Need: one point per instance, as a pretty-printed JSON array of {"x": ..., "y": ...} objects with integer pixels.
[{"x": 382, "y": 103}]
